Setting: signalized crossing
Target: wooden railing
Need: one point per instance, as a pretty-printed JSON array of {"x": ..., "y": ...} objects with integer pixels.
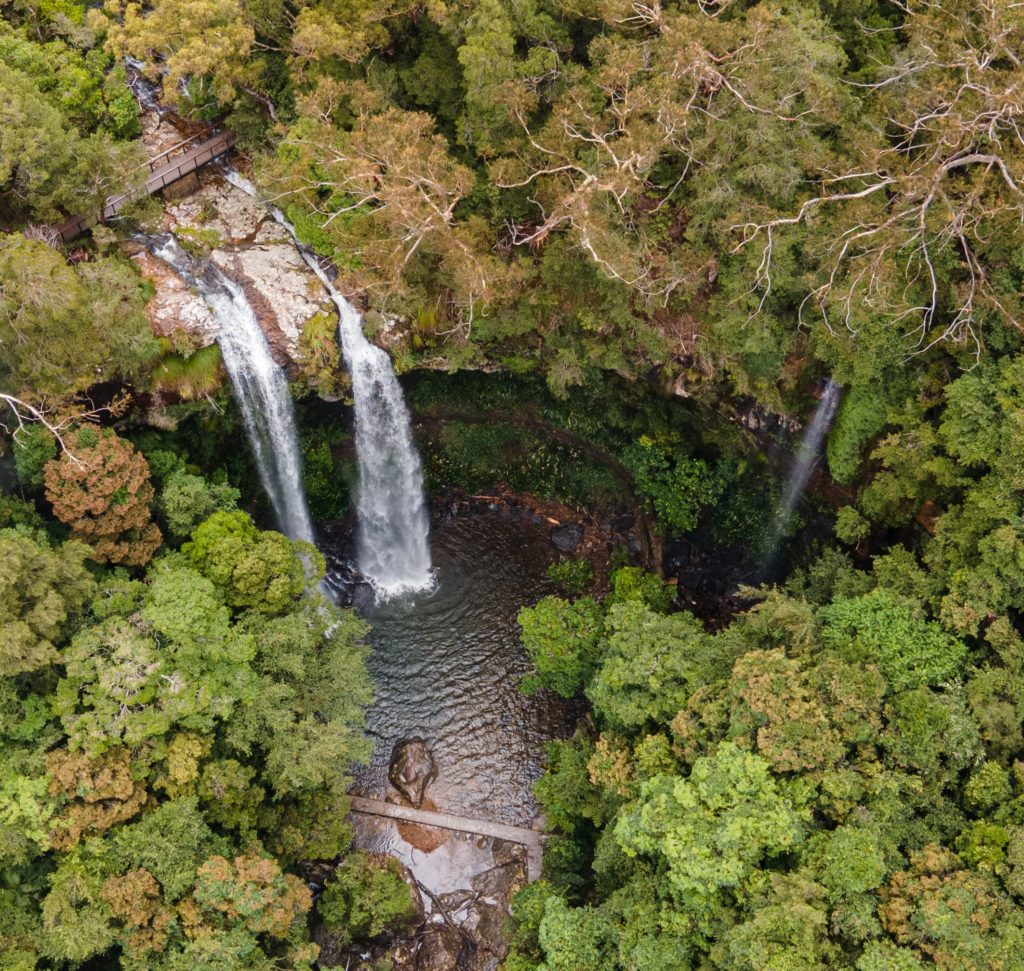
[
  {"x": 180, "y": 148},
  {"x": 170, "y": 165}
]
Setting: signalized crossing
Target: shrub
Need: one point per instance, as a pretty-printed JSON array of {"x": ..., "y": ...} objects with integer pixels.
[
  {"x": 34, "y": 446},
  {"x": 257, "y": 570},
  {"x": 675, "y": 485},
  {"x": 319, "y": 356},
  {"x": 632, "y": 583},
  {"x": 851, "y": 526},
  {"x": 189, "y": 376},
  {"x": 564, "y": 641},
  {"x": 574, "y": 576},
  {"x": 187, "y": 500},
  {"x": 745, "y": 512},
  {"x": 327, "y": 487},
  {"x": 878, "y": 628},
  {"x": 366, "y": 898},
  {"x": 861, "y": 416}
]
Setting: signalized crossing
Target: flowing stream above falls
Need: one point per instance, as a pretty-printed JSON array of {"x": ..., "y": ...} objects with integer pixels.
[
  {"x": 260, "y": 386},
  {"x": 392, "y": 549}
]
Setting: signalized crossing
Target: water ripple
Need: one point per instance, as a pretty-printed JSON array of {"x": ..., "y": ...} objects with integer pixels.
[{"x": 446, "y": 665}]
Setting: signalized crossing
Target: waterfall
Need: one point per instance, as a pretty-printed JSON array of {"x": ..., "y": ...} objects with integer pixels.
[
  {"x": 392, "y": 551},
  {"x": 803, "y": 463},
  {"x": 391, "y": 536},
  {"x": 261, "y": 389}
]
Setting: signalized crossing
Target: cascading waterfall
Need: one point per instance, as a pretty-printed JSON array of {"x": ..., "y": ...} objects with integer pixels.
[
  {"x": 261, "y": 388},
  {"x": 392, "y": 532},
  {"x": 392, "y": 548},
  {"x": 803, "y": 463}
]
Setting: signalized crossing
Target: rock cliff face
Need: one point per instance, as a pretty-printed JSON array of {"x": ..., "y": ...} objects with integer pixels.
[
  {"x": 235, "y": 232},
  {"x": 276, "y": 272},
  {"x": 175, "y": 306}
]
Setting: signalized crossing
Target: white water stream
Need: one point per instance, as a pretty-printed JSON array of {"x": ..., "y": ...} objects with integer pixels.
[
  {"x": 392, "y": 530},
  {"x": 806, "y": 456},
  {"x": 261, "y": 388},
  {"x": 393, "y": 553}
]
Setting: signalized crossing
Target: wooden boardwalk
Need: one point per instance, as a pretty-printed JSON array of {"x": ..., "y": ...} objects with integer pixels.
[
  {"x": 167, "y": 167},
  {"x": 462, "y": 824}
]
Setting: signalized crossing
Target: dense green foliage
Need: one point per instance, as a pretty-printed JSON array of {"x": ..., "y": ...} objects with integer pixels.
[
  {"x": 604, "y": 446},
  {"x": 649, "y": 223},
  {"x": 818, "y": 785},
  {"x": 366, "y": 897},
  {"x": 558, "y": 187},
  {"x": 573, "y": 576},
  {"x": 64, "y": 328},
  {"x": 175, "y": 741}
]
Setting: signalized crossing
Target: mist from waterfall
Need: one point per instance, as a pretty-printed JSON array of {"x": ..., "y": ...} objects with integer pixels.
[
  {"x": 392, "y": 531},
  {"x": 260, "y": 386},
  {"x": 803, "y": 462}
]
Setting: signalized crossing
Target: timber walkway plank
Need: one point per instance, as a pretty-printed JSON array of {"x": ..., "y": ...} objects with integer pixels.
[
  {"x": 463, "y": 824},
  {"x": 160, "y": 176}
]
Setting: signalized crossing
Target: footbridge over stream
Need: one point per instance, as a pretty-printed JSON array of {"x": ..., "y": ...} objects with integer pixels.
[
  {"x": 462, "y": 824},
  {"x": 170, "y": 165}
]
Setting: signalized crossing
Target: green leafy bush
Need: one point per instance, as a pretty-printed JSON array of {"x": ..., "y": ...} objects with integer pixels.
[
  {"x": 186, "y": 500},
  {"x": 676, "y": 486},
  {"x": 574, "y": 576},
  {"x": 327, "y": 482},
  {"x": 189, "y": 376},
  {"x": 631, "y": 583},
  {"x": 483, "y": 455},
  {"x": 860, "y": 417},
  {"x": 34, "y": 446},
  {"x": 256, "y": 570},
  {"x": 366, "y": 898},
  {"x": 563, "y": 641},
  {"x": 744, "y": 506},
  {"x": 851, "y": 526},
  {"x": 878, "y": 628}
]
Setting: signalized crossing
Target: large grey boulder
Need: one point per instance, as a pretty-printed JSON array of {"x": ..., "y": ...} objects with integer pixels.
[
  {"x": 412, "y": 769},
  {"x": 444, "y": 949}
]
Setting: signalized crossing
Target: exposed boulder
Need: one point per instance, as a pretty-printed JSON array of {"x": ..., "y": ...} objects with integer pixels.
[
  {"x": 412, "y": 769},
  {"x": 219, "y": 208},
  {"x": 455, "y": 900},
  {"x": 623, "y": 523},
  {"x": 568, "y": 537},
  {"x": 500, "y": 882},
  {"x": 444, "y": 949},
  {"x": 363, "y": 597}
]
